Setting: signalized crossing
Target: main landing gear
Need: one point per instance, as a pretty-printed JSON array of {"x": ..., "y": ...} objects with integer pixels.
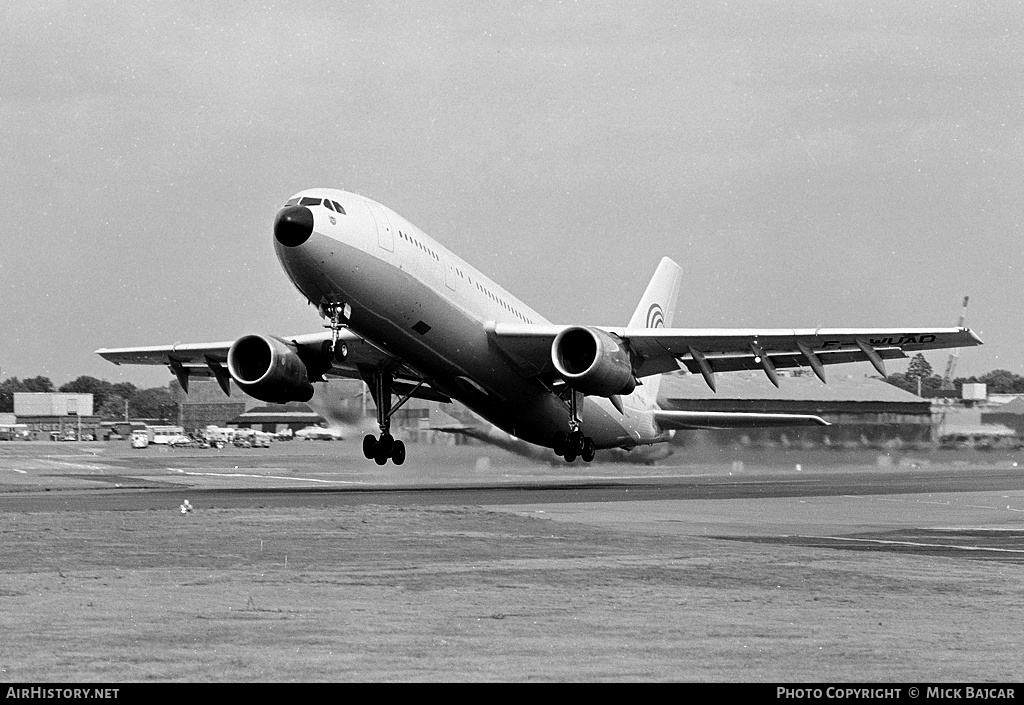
[
  {"x": 381, "y": 449},
  {"x": 575, "y": 444}
]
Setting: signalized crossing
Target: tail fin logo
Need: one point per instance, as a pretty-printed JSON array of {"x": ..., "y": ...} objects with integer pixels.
[{"x": 655, "y": 316}]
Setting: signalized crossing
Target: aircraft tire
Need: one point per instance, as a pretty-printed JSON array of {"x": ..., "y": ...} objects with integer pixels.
[
  {"x": 588, "y": 449},
  {"x": 576, "y": 439},
  {"x": 384, "y": 446},
  {"x": 559, "y": 444},
  {"x": 369, "y": 446},
  {"x": 398, "y": 453},
  {"x": 570, "y": 455}
]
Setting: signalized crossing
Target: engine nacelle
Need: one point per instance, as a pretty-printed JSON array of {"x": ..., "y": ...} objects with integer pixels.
[
  {"x": 593, "y": 362},
  {"x": 269, "y": 369}
]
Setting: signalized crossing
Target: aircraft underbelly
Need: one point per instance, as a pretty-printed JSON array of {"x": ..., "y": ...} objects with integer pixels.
[{"x": 444, "y": 341}]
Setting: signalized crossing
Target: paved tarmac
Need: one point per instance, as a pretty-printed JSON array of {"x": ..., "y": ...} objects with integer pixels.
[
  {"x": 955, "y": 505},
  {"x": 306, "y": 562}
]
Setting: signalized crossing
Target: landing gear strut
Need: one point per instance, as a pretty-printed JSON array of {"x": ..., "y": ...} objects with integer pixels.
[
  {"x": 381, "y": 449},
  {"x": 339, "y": 315},
  {"x": 575, "y": 444}
]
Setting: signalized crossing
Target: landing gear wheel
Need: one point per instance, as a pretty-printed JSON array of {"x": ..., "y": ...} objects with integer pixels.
[
  {"x": 398, "y": 453},
  {"x": 588, "y": 449},
  {"x": 369, "y": 446},
  {"x": 384, "y": 447},
  {"x": 559, "y": 444},
  {"x": 570, "y": 455},
  {"x": 338, "y": 352},
  {"x": 576, "y": 439}
]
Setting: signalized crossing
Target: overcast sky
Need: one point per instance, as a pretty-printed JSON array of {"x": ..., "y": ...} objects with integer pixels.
[{"x": 842, "y": 164}]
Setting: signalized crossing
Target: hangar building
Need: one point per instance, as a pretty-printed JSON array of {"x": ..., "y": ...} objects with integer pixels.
[{"x": 56, "y": 415}]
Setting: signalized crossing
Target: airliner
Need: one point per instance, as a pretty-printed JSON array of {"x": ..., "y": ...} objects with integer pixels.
[{"x": 413, "y": 320}]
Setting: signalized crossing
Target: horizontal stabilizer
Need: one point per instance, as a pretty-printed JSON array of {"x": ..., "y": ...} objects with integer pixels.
[{"x": 690, "y": 420}]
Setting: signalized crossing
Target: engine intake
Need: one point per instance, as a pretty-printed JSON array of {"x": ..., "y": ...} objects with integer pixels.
[
  {"x": 269, "y": 369},
  {"x": 593, "y": 362}
]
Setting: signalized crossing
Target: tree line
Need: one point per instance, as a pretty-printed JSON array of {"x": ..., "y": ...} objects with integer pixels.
[
  {"x": 108, "y": 399},
  {"x": 920, "y": 371}
]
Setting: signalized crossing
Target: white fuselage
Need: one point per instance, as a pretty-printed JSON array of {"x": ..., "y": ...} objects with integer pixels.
[{"x": 415, "y": 299}]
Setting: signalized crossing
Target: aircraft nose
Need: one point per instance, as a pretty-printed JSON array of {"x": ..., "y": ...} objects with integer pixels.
[{"x": 293, "y": 225}]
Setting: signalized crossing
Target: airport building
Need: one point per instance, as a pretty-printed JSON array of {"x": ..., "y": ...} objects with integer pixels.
[
  {"x": 275, "y": 418},
  {"x": 56, "y": 415},
  {"x": 11, "y": 429},
  {"x": 865, "y": 411},
  {"x": 1010, "y": 414},
  {"x": 207, "y": 405}
]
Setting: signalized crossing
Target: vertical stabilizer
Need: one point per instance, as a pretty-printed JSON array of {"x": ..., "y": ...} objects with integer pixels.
[
  {"x": 657, "y": 310},
  {"x": 657, "y": 307}
]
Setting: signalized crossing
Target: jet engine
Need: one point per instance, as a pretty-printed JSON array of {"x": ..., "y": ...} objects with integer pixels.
[
  {"x": 269, "y": 369},
  {"x": 593, "y": 362}
]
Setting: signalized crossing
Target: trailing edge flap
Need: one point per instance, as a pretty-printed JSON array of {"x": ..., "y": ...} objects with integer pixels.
[
  {"x": 689, "y": 420},
  {"x": 659, "y": 350}
]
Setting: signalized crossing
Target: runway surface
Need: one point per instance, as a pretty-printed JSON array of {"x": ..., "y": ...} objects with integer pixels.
[{"x": 960, "y": 508}]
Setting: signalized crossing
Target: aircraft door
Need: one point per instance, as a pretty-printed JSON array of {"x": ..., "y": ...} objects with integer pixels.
[{"x": 385, "y": 234}]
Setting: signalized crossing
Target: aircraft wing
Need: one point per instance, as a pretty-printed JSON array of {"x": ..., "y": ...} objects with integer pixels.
[
  {"x": 187, "y": 360},
  {"x": 707, "y": 351},
  {"x": 690, "y": 420}
]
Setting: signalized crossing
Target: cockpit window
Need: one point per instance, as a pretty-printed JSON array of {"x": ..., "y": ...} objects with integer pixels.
[{"x": 308, "y": 201}]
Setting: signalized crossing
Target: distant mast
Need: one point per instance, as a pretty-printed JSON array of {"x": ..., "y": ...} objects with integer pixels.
[{"x": 947, "y": 378}]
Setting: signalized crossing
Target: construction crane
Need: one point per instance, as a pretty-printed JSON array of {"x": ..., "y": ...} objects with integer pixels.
[{"x": 947, "y": 378}]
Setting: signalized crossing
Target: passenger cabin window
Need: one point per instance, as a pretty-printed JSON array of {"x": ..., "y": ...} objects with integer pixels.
[{"x": 307, "y": 201}]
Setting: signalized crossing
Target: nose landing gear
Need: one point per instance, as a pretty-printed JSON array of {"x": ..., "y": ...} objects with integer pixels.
[{"x": 339, "y": 315}]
